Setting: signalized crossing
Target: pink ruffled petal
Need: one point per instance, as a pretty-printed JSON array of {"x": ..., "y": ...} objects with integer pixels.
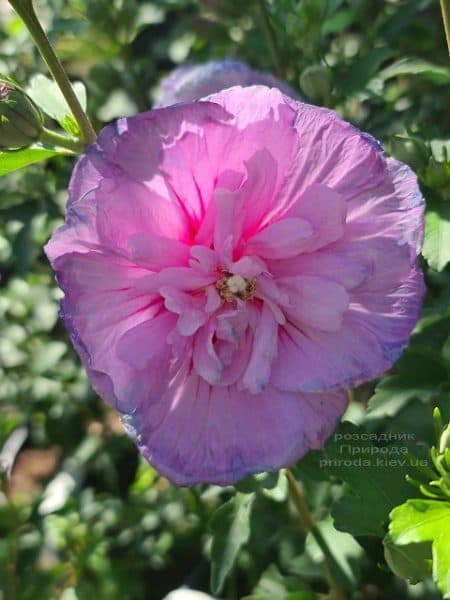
[
  {"x": 213, "y": 300},
  {"x": 394, "y": 209},
  {"x": 228, "y": 225},
  {"x": 392, "y": 315},
  {"x": 262, "y": 119},
  {"x": 182, "y": 278},
  {"x": 347, "y": 263},
  {"x": 205, "y": 360},
  {"x": 156, "y": 252},
  {"x": 258, "y": 192},
  {"x": 282, "y": 239},
  {"x": 314, "y": 302},
  {"x": 248, "y": 267},
  {"x": 78, "y": 234},
  {"x": 145, "y": 345},
  {"x": 101, "y": 304},
  {"x": 138, "y": 145},
  {"x": 374, "y": 331},
  {"x": 325, "y": 210},
  {"x": 189, "y": 308},
  {"x": 190, "y": 321},
  {"x": 216, "y": 434},
  {"x": 126, "y": 208},
  {"x": 204, "y": 259},
  {"x": 353, "y": 354},
  {"x": 332, "y": 153},
  {"x": 257, "y": 374}
]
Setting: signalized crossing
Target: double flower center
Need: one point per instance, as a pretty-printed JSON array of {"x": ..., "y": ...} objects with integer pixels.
[{"x": 230, "y": 287}]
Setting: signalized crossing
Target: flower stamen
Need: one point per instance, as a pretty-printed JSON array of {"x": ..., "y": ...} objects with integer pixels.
[{"x": 232, "y": 286}]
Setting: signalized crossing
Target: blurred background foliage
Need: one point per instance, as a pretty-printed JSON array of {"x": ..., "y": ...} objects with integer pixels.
[{"x": 83, "y": 516}]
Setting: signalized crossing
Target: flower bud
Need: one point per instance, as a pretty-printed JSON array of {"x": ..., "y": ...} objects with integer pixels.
[
  {"x": 190, "y": 82},
  {"x": 444, "y": 441},
  {"x": 316, "y": 82},
  {"x": 21, "y": 121},
  {"x": 437, "y": 175}
]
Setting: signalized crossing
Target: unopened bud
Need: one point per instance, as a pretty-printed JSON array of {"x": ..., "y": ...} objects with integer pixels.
[
  {"x": 437, "y": 174},
  {"x": 316, "y": 82},
  {"x": 21, "y": 121},
  {"x": 444, "y": 440}
]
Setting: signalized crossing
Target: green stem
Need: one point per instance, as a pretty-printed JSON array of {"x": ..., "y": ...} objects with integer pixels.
[
  {"x": 298, "y": 499},
  {"x": 445, "y": 8},
  {"x": 271, "y": 39},
  {"x": 308, "y": 525},
  {"x": 52, "y": 138},
  {"x": 25, "y": 10}
]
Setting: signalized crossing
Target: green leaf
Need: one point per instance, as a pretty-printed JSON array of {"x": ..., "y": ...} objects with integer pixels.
[
  {"x": 69, "y": 594},
  {"x": 339, "y": 21},
  {"x": 375, "y": 479},
  {"x": 436, "y": 248},
  {"x": 230, "y": 526},
  {"x": 273, "y": 485},
  {"x": 12, "y": 161},
  {"x": 275, "y": 586},
  {"x": 279, "y": 492},
  {"x": 419, "y": 376},
  {"x": 412, "y": 561},
  {"x": 416, "y": 66},
  {"x": 418, "y": 521},
  {"x": 46, "y": 93},
  {"x": 342, "y": 552},
  {"x": 364, "y": 68},
  {"x": 259, "y": 482}
]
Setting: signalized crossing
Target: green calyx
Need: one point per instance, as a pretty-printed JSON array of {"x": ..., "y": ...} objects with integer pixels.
[{"x": 21, "y": 121}]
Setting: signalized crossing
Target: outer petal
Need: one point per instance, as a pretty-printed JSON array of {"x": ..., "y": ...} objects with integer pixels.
[
  {"x": 101, "y": 304},
  {"x": 126, "y": 208},
  {"x": 374, "y": 331},
  {"x": 79, "y": 233},
  {"x": 201, "y": 433},
  {"x": 333, "y": 153},
  {"x": 393, "y": 209},
  {"x": 191, "y": 82},
  {"x": 391, "y": 315}
]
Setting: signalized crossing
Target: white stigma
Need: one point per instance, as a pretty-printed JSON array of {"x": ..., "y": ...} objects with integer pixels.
[
  {"x": 237, "y": 284},
  {"x": 232, "y": 287}
]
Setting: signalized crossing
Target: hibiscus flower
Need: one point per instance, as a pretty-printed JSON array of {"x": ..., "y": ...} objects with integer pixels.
[{"x": 230, "y": 266}]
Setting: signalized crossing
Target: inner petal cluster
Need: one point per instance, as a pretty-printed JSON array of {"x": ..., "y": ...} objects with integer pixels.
[{"x": 239, "y": 290}]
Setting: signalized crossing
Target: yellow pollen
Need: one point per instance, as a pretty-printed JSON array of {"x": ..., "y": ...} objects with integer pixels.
[{"x": 232, "y": 286}]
